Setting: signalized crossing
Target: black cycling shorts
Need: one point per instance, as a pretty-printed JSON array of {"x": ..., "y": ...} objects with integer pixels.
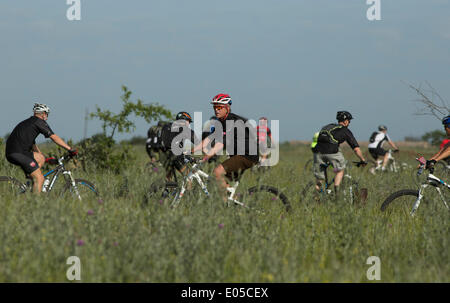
[
  {"x": 375, "y": 152},
  {"x": 25, "y": 161}
]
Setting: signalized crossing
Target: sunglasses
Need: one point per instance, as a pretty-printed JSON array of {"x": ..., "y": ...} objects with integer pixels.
[{"x": 219, "y": 107}]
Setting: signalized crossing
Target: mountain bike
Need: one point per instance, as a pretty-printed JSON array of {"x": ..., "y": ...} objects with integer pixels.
[
  {"x": 79, "y": 188},
  {"x": 259, "y": 197},
  {"x": 349, "y": 187},
  {"x": 408, "y": 200},
  {"x": 392, "y": 164}
]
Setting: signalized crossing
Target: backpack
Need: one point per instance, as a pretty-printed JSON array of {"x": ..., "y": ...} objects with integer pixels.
[
  {"x": 154, "y": 137},
  {"x": 372, "y": 137},
  {"x": 325, "y": 135}
]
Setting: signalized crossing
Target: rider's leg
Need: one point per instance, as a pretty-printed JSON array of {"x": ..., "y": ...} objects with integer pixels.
[
  {"x": 39, "y": 157},
  {"x": 385, "y": 161},
  {"x": 38, "y": 180},
  {"x": 219, "y": 173}
]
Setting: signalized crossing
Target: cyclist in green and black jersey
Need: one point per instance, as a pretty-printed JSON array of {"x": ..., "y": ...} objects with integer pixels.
[{"x": 327, "y": 149}]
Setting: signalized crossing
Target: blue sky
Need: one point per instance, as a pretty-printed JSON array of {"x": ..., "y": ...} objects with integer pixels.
[{"x": 291, "y": 60}]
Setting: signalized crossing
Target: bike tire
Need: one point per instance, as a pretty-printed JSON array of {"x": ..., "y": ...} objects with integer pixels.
[
  {"x": 262, "y": 194},
  {"x": 396, "y": 196},
  {"x": 12, "y": 185},
  {"x": 86, "y": 189}
]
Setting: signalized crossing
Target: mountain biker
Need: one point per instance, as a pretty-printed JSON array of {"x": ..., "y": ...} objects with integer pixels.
[
  {"x": 375, "y": 146},
  {"x": 221, "y": 132},
  {"x": 172, "y": 139},
  {"x": 444, "y": 152},
  {"x": 263, "y": 131},
  {"x": 21, "y": 148},
  {"x": 327, "y": 149}
]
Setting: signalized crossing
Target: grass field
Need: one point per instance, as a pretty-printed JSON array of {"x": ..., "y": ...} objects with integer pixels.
[{"x": 118, "y": 239}]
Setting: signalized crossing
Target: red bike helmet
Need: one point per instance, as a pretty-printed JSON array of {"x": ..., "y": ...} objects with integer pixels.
[{"x": 222, "y": 99}]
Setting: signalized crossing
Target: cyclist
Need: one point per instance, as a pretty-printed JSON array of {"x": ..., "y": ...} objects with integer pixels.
[
  {"x": 263, "y": 132},
  {"x": 172, "y": 140},
  {"x": 21, "y": 148},
  {"x": 444, "y": 152},
  {"x": 375, "y": 146},
  {"x": 240, "y": 160},
  {"x": 327, "y": 149}
]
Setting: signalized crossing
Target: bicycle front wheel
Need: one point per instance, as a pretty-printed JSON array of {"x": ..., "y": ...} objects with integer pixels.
[
  {"x": 265, "y": 198},
  {"x": 404, "y": 200},
  {"x": 11, "y": 185},
  {"x": 84, "y": 190}
]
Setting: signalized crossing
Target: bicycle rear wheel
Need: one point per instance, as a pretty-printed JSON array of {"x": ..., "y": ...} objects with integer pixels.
[
  {"x": 266, "y": 198},
  {"x": 11, "y": 185},
  {"x": 85, "y": 190}
]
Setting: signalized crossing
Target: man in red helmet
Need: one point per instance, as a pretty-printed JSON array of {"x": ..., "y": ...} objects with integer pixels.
[{"x": 236, "y": 132}]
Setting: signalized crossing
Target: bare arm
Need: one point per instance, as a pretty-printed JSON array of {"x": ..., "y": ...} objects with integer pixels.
[
  {"x": 442, "y": 154},
  {"x": 358, "y": 152},
  {"x": 55, "y": 138},
  {"x": 393, "y": 145}
]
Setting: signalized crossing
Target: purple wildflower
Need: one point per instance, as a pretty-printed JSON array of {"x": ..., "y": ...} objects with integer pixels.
[
  {"x": 221, "y": 225},
  {"x": 80, "y": 242},
  {"x": 90, "y": 212}
]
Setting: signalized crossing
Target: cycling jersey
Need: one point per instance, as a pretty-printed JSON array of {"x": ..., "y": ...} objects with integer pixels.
[
  {"x": 263, "y": 132},
  {"x": 339, "y": 134},
  {"x": 23, "y": 137},
  {"x": 249, "y": 138},
  {"x": 444, "y": 144},
  {"x": 379, "y": 140}
]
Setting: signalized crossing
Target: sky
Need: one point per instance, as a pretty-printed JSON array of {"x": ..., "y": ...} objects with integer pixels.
[{"x": 296, "y": 61}]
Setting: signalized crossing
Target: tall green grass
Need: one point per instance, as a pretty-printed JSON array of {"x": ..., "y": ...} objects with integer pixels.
[{"x": 119, "y": 239}]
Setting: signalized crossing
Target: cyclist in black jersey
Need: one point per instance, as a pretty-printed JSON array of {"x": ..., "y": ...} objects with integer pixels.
[
  {"x": 21, "y": 148},
  {"x": 241, "y": 146},
  {"x": 327, "y": 149}
]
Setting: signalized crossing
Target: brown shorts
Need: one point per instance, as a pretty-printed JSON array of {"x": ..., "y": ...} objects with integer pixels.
[{"x": 236, "y": 165}]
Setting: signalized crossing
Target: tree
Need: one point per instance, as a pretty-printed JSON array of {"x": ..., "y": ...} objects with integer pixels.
[
  {"x": 432, "y": 103},
  {"x": 101, "y": 150},
  {"x": 434, "y": 137}
]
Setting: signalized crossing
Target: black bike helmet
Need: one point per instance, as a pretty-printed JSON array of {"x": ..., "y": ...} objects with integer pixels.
[
  {"x": 446, "y": 120},
  {"x": 343, "y": 115},
  {"x": 382, "y": 127},
  {"x": 184, "y": 116}
]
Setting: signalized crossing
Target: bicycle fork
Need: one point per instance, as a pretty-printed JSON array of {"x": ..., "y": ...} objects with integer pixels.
[{"x": 73, "y": 183}]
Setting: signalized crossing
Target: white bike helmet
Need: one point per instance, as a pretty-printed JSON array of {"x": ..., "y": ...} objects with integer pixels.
[{"x": 41, "y": 108}]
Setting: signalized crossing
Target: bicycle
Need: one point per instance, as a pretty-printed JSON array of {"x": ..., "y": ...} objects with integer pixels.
[
  {"x": 82, "y": 189},
  {"x": 403, "y": 198},
  {"x": 255, "y": 197},
  {"x": 392, "y": 164},
  {"x": 349, "y": 187}
]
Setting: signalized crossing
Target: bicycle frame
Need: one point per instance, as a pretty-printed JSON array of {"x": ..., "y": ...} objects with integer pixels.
[
  {"x": 60, "y": 169},
  {"x": 434, "y": 181},
  {"x": 195, "y": 173}
]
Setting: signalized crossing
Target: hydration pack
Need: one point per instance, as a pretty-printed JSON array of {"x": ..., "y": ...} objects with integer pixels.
[
  {"x": 325, "y": 135},
  {"x": 372, "y": 137},
  {"x": 155, "y": 137}
]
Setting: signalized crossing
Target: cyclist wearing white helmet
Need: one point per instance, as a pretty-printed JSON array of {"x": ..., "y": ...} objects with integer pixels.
[
  {"x": 21, "y": 148},
  {"x": 239, "y": 160},
  {"x": 376, "y": 150}
]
